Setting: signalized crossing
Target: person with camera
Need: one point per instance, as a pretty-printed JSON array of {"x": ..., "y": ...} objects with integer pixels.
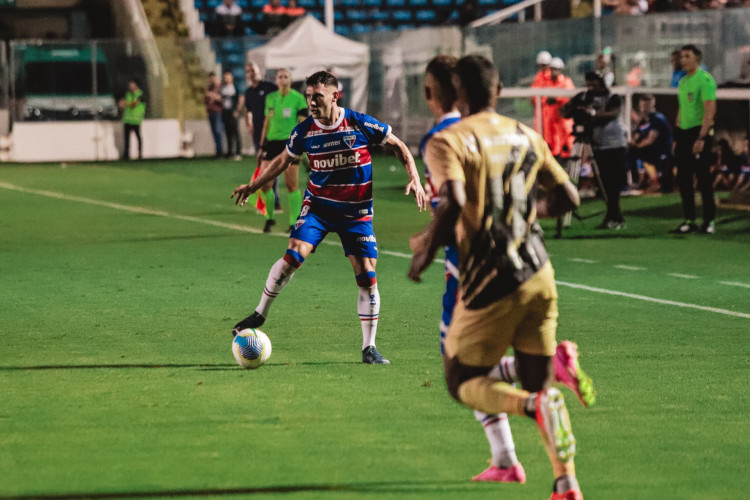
[{"x": 596, "y": 121}]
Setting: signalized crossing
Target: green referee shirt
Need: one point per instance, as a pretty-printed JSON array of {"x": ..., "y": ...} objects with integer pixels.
[
  {"x": 692, "y": 92},
  {"x": 282, "y": 112}
]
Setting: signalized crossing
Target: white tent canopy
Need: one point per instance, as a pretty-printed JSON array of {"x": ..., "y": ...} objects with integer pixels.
[{"x": 307, "y": 46}]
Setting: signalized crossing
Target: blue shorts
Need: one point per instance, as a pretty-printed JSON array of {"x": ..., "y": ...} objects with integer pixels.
[
  {"x": 451, "y": 292},
  {"x": 357, "y": 236}
]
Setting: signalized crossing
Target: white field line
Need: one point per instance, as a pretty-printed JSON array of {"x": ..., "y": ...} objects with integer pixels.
[
  {"x": 683, "y": 276},
  {"x": 654, "y": 300},
  {"x": 583, "y": 261},
  {"x": 735, "y": 283},
  {"x": 246, "y": 229},
  {"x": 630, "y": 268}
]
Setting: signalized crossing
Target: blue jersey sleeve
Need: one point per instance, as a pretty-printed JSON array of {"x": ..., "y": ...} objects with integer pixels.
[
  {"x": 375, "y": 131},
  {"x": 295, "y": 146}
]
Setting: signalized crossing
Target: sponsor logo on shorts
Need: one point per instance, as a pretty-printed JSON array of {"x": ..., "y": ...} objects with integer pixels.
[
  {"x": 298, "y": 223},
  {"x": 369, "y": 238}
]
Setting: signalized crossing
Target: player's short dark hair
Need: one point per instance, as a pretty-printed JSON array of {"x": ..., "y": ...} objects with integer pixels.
[
  {"x": 322, "y": 77},
  {"x": 479, "y": 78},
  {"x": 694, "y": 49},
  {"x": 213, "y": 73},
  {"x": 441, "y": 68}
]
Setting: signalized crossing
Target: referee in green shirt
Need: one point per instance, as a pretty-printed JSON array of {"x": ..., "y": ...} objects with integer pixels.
[
  {"x": 694, "y": 139},
  {"x": 284, "y": 109}
]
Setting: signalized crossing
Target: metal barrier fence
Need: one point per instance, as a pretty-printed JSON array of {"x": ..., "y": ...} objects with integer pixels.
[{"x": 48, "y": 81}]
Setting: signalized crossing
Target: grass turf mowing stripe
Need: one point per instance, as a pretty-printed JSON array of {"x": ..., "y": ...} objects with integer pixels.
[{"x": 160, "y": 213}]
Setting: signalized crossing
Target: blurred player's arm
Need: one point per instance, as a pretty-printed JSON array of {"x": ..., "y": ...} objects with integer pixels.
[
  {"x": 557, "y": 194},
  {"x": 407, "y": 160},
  {"x": 440, "y": 231},
  {"x": 269, "y": 173}
]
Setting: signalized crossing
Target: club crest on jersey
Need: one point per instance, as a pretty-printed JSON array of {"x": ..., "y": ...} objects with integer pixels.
[{"x": 349, "y": 140}]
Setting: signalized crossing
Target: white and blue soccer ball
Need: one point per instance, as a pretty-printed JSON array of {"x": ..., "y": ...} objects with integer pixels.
[{"x": 251, "y": 348}]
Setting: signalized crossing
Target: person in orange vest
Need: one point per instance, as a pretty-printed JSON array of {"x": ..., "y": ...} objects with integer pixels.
[
  {"x": 541, "y": 80},
  {"x": 559, "y": 129}
]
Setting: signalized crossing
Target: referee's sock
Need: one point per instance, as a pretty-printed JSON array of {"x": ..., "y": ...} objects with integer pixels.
[{"x": 270, "y": 200}]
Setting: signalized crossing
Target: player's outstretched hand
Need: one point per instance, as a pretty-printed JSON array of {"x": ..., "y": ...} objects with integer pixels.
[
  {"x": 242, "y": 193},
  {"x": 419, "y": 194}
]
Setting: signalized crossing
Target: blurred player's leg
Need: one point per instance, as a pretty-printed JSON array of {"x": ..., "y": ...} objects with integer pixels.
[{"x": 504, "y": 466}]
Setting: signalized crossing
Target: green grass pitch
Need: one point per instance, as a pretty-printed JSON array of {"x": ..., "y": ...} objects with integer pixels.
[{"x": 119, "y": 285}]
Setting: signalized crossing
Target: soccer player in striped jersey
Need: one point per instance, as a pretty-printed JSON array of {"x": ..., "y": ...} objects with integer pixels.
[
  {"x": 488, "y": 170},
  {"x": 338, "y": 199},
  {"x": 440, "y": 97}
]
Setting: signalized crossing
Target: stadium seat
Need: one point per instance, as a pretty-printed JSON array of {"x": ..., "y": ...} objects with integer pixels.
[
  {"x": 406, "y": 26},
  {"x": 247, "y": 17},
  {"x": 373, "y": 3},
  {"x": 442, "y": 3},
  {"x": 198, "y": 4},
  {"x": 487, "y": 2},
  {"x": 341, "y": 29},
  {"x": 424, "y": 15},
  {"x": 417, "y": 3},
  {"x": 395, "y": 3},
  {"x": 308, "y": 4},
  {"x": 316, "y": 14},
  {"x": 337, "y": 15},
  {"x": 378, "y": 15},
  {"x": 360, "y": 28},
  {"x": 401, "y": 15},
  {"x": 382, "y": 27},
  {"x": 203, "y": 16},
  {"x": 249, "y": 31},
  {"x": 212, "y": 4},
  {"x": 356, "y": 15},
  {"x": 258, "y": 4},
  {"x": 349, "y": 3}
]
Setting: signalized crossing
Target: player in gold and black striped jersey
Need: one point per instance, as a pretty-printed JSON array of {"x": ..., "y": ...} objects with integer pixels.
[{"x": 495, "y": 177}]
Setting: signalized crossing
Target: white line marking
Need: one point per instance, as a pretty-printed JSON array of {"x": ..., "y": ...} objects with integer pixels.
[
  {"x": 246, "y": 229},
  {"x": 655, "y": 300},
  {"x": 631, "y": 268},
  {"x": 583, "y": 261},
  {"x": 735, "y": 283},
  {"x": 684, "y": 276}
]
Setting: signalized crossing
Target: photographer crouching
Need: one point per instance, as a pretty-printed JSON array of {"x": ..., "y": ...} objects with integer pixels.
[{"x": 596, "y": 117}]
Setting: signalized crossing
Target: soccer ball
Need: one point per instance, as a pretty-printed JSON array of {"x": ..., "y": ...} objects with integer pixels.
[{"x": 251, "y": 348}]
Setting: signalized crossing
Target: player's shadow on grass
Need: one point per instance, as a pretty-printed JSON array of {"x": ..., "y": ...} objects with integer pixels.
[
  {"x": 396, "y": 487},
  {"x": 200, "y": 367}
]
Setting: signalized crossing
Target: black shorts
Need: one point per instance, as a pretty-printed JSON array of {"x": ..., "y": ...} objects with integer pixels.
[{"x": 272, "y": 149}]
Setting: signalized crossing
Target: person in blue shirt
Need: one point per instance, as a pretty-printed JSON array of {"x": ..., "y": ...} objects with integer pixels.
[
  {"x": 652, "y": 141},
  {"x": 338, "y": 199}
]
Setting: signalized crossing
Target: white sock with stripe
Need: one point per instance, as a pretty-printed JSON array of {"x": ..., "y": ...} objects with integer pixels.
[
  {"x": 368, "y": 308},
  {"x": 502, "y": 446},
  {"x": 279, "y": 276},
  {"x": 505, "y": 370}
]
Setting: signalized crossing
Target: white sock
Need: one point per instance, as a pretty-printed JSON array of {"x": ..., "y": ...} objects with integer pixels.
[
  {"x": 278, "y": 277},
  {"x": 505, "y": 370},
  {"x": 502, "y": 447},
  {"x": 368, "y": 308}
]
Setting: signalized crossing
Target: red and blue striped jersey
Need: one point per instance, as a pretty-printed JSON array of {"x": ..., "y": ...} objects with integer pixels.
[{"x": 341, "y": 167}]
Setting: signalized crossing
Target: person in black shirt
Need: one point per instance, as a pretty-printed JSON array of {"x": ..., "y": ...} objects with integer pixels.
[{"x": 255, "y": 109}]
